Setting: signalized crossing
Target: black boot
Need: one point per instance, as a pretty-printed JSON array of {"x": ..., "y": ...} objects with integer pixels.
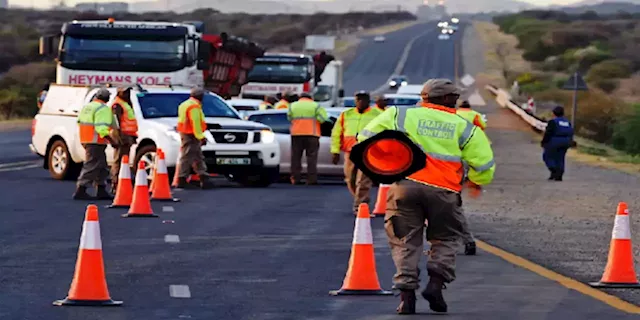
[
  {"x": 558, "y": 176},
  {"x": 206, "y": 183},
  {"x": 103, "y": 194},
  {"x": 553, "y": 175},
  {"x": 184, "y": 184},
  {"x": 470, "y": 248},
  {"x": 407, "y": 302},
  {"x": 81, "y": 194},
  {"x": 433, "y": 294}
]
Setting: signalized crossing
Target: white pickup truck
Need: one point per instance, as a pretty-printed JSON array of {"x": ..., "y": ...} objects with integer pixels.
[{"x": 245, "y": 152}]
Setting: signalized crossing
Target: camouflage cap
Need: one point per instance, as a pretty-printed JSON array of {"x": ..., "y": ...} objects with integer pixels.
[
  {"x": 102, "y": 94},
  {"x": 439, "y": 87}
]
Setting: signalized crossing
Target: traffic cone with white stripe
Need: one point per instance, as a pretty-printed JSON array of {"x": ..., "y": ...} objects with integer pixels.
[
  {"x": 141, "y": 204},
  {"x": 176, "y": 178},
  {"x": 381, "y": 202},
  {"x": 124, "y": 192},
  {"x": 89, "y": 285},
  {"x": 162, "y": 189},
  {"x": 619, "y": 272},
  {"x": 362, "y": 277}
]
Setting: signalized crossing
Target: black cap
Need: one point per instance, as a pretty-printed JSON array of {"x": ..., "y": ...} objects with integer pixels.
[{"x": 362, "y": 94}]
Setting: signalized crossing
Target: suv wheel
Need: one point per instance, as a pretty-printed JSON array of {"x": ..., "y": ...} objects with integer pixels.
[
  {"x": 61, "y": 166},
  {"x": 147, "y": 155}
]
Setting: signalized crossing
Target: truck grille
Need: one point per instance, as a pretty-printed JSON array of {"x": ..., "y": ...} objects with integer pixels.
[{"x": 234, "y": 137}]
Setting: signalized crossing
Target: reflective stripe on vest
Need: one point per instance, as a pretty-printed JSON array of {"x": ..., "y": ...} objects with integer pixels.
[
  {"x": 441, "y": 135},
  {"x": 185, "y": 123},
  {"x": 128, "y": 122},
  {"x": 282, "y": 104},
  {"x": 352, "y": 122},
  {"x": 304, "y": 118},
  {"x": 87, "y": 123}
]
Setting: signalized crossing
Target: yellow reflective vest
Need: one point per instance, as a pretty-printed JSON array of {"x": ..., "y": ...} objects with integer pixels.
[
  {"x": 306, "y": 116},
  {"x": 473, "y": 117},
  {"x": 191, "y": 118},
  {"x": 349, "y": 124},
  {"x": 282, "y": 104},
  {"x": 94, "y": 122},
  {"x": 450, "y": 142}
]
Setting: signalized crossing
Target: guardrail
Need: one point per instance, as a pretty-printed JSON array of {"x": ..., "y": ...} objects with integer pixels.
[{"x": 504, "y": 99}]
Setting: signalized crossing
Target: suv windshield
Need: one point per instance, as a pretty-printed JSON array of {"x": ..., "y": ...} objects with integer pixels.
[
  {"x": 144, "y": 55},
  {"x": 165, "y": 105}
]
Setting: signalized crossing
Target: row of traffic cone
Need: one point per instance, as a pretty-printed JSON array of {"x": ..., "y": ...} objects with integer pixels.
[{"x": 137, "y": 199}]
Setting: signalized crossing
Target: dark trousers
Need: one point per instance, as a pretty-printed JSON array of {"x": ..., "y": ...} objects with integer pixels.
[
  {"x": 309, "y": 145},
  {"x": 95, "y": 169},
  {"x": 191, "y": 156},
  {"x": 554, "y": 160},
  {"x": 119, "y": 152}
]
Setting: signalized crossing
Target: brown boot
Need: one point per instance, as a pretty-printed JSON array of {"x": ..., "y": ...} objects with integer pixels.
[
  {"x": 433, "y": 294},
  {"x": 407, "y": 302}
]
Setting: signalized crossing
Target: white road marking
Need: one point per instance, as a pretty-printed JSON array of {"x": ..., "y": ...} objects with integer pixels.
[
  {"x": 179, "y": 291},
  {"x": 245, "y": 280},
  {"x": 172, "y": 238},
  {"x": 168, "y": 209},
  {"x": 5, "y": 169},
  {"x": 16, "y": 164}
]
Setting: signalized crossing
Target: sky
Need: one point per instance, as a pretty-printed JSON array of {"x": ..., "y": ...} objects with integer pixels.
[{"x": 47, "y": 3}]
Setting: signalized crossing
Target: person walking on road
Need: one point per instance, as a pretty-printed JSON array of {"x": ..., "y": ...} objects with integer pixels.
[
  {"x": 381, "y": 102},
  {"x": 306, "y": 116},
  {"x": 191, "y": 127},
  {"x": 94, "y": 123},
  {"x": 471, "y": 115},
  {"x": 558, "y": 138},
  {"x": 343, "y": 138},
  {"x": 127, "y": 133},
  {"x": 432, "y": 193}
]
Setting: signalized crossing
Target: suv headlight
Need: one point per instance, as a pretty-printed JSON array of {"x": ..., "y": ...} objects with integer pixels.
[{"x": 267, "y": 136}]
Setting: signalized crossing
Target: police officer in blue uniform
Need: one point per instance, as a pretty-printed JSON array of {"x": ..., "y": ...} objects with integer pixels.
[{"x": 557, "y": 139}]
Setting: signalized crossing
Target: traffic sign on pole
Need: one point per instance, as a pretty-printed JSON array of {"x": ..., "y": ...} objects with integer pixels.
[{"x": 575, "y": 83}]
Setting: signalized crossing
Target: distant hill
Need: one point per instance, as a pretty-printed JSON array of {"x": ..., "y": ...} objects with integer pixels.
[{"x": 601, "y": 7}]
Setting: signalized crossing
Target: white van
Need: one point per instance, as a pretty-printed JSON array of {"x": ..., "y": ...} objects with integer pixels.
[{"x": 243, "y": 151}]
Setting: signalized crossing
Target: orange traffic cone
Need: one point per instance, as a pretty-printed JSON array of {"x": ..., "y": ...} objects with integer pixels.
[
  {"x": 362, "y": 277},
  {"x": 619, "y": 272},
  {"x": 89, "y": 285},
  {"x": 141, "y": 205},
  {"x": 162, "y": 189},
  {"x": 381, "y": 202},
  {"x": 124, "y": 193},
  {"x": 174, "y": 183}
]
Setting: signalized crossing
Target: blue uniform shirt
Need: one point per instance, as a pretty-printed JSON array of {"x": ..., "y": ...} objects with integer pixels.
[{"x": 559, "y": 134}]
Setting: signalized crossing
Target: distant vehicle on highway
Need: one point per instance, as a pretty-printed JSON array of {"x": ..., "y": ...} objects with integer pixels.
[
  {"x": 443, "y": 37},
  {"x": 243, "y": 151},
  {"x": 397, "y": 81},
  {"x": 379, "y": 39},
  {"x": 277, "y": 121}
]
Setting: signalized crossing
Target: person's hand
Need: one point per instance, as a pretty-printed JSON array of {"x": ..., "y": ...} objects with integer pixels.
[
  {"x": 474, "y": 190},
  {"x": 203, "y": 142},
  {"x": 111, "y": 141},
  {"x": 336, "y": 158}
]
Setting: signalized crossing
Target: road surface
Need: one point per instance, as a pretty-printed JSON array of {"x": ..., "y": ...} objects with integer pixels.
[{"x": 271, "y": 253}]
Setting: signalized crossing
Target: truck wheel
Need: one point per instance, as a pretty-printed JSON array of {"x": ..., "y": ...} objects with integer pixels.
[
  {"x": 254, "y": 181},
  {"x": 146, "y": 154},
  {"x": 61, "y": 166}
]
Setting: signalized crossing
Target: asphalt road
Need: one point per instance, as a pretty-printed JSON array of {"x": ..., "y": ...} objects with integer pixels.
[{"x": 14, "y": 146}]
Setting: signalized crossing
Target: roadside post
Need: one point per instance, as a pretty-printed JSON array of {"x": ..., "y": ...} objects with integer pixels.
[{"x": 575, "y": 83}]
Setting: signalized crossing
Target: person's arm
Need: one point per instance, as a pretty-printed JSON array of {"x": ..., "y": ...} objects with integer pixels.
[
  {"x": 196, "y": 123},
  {"x": 321, "y": 114},
  {"x": 385, "y": 121},
  {"x": 103, "y": 120},
  {"x": 478, "y": 155},
  {"x": 548, "y": 133},
  {"x": 289, "y": 113},
  {"x": 336, "y": 134},
  {"x": 478, "y": 121}
]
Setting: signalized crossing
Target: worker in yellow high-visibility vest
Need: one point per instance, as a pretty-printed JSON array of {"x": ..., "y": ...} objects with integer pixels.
[
  {"x": 432, "y": 193},
  {"x": 343, "y": 138},
  {"x": 465, "y": 111}
]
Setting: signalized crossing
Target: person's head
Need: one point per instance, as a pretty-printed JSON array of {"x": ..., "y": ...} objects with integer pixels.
[
  {"x": 306, "y": 95},
  {"x": 265, "y": 98},
  {"x": 558, "y": 111},
  {"x": 363, "y": 99},
  {"x": 292, "y": 98},
  {"x": 271, "y": 100},
  {"x": 323, "y": 53},
  {"x": 465, "y": 105},
  {"x": 441, "y": 92},
  {"x": 381, "y": 102},
  {"x": 279, "y": 96},
  {"x": 197, "y": 93},
  {"x": 124, "y": 93},
  {"x": 103, "y": 95}
]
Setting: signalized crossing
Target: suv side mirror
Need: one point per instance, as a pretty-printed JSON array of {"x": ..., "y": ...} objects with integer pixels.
[
  {"x": 46, "y": 46},
  {"x": 204, "y": 51},
  {"x": 341, "y": 93}
]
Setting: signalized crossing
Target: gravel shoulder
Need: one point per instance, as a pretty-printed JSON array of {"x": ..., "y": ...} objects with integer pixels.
[{"x": 564, "y": 226}]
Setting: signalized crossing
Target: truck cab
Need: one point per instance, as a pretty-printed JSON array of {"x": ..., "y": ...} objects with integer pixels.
[
  {"x": 276, "y": 73},
  {"x": 243, "y": 151}
]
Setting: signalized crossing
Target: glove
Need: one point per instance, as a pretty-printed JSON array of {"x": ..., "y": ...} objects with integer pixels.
[
  {"x": 336, "y": 158},
  {"x": 475, "y": 190}
]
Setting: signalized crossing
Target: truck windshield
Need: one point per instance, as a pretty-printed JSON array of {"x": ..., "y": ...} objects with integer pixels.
[
  {"x": 281, "y": 73},
  {"x": 165, "y": 105},
  {"x": 141, "y": 55}
]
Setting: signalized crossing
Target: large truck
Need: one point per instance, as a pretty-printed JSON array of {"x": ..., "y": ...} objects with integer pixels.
[
  {"x": 276, "y": 73},
  {"x": 150, "y": 53},
  {"x": 329, "y": 91}
]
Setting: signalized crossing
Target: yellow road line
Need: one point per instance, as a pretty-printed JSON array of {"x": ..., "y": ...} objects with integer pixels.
[{"x": 565, "y": 281}]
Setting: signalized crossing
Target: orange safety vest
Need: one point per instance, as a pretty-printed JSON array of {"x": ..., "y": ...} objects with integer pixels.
[
  {"x": 185, "y": 123},
  {"x": 128, "y": 122},
  {"x": 306, "y": 116},
  {"x": 90, "y": 122}
]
